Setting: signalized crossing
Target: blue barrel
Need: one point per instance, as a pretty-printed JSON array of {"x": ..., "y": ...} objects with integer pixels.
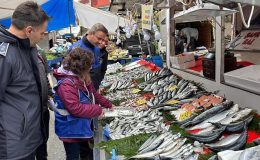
[
  {"x": 135, "y": 59},
  {"x": 157, "y": 60}
]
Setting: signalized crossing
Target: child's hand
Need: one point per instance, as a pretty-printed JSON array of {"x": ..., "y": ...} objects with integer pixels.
[{"x": 102, "y": 114}]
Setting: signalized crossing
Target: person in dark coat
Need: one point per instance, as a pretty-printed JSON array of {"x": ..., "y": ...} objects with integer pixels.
[
  {"x": 91, "y": 41},
  {"x": 21, "y": 126},
  {"x": 41, "y": 152}
]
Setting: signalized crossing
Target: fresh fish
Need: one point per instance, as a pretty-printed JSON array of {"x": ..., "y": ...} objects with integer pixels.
[
  {"x": 231, "y": 142},
  {"x": 215, "y": 134},
  {"x": 180, "y": 83},
  {"x": 175, "y": 147},
  {"x": 148, "y": 154},
  {"x": 205, "y": 131},
  {"x": 169, "y": 140},
  {"x": 160, "y": 91},
  {"x": 238, "y": 126},
  {"x": 182, "y": 87},
  {"x": 157, "y": 142},
  {"x": 148, "y": 142},
  {"x": 236, "y": 116},
  {"x": 175, "y": 153},
  {"x": 209, "y": 113},
  {"x": 216, "y": 118}
]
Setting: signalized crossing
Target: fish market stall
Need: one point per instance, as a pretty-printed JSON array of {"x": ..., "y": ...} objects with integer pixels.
[
  {"x": 160, "y": 114},
  {"x": 171, "y": 113}
]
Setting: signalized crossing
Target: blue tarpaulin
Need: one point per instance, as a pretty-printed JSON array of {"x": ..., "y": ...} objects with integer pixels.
[{"x": 61, "y": 11}]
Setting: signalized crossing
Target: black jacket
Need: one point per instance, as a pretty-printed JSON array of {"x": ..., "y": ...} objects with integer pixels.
[{"x": 20, "y": 98}]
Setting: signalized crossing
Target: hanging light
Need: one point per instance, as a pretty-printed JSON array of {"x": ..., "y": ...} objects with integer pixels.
[
  {"x": 127, "y": 31},
  {"x": 118, "y": 37},
  {"x": 128, "y": 34},
  {"x": 157, "y": 34},
  {"x": 133, "y": 29},
  {"x": 146, "y": 35},
  {"x": 118, "y": 41}
]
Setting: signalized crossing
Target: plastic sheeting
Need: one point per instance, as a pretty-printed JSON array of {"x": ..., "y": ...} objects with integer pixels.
[
  {"x": 61, "y": 12},
  {"x": 89, "y": 16}
]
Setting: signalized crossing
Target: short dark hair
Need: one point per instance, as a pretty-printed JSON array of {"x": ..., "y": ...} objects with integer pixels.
[
  {"x": 98, "y": 27},
  {"x": 29, "y": 14}
]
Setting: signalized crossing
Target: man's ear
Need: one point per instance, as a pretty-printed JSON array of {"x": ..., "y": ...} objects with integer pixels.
[{"x": 28, "y": 30}]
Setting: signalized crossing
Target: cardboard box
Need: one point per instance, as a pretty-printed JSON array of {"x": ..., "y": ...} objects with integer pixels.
[{"x": 183, "y": 62}]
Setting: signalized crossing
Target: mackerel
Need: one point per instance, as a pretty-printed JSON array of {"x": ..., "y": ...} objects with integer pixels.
[
  {"x": 236, "y": 116},
  {"x": 209, "y": 113},
  {"x": 216, "y": 118}
]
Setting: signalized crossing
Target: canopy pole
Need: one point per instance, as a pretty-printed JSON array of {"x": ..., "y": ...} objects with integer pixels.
[{"x": 69, "y": 15}]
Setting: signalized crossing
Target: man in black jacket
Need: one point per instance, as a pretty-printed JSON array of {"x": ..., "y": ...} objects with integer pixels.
[
  {"x": 21, "y": 127},
  {"x": 41, "y": 152}
]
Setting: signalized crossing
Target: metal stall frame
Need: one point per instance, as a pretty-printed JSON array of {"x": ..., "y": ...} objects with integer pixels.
[{"x": 243, "y": 97}]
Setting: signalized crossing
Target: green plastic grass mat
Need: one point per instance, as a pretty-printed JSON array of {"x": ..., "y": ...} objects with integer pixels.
[{"x": 127, "y": 147}]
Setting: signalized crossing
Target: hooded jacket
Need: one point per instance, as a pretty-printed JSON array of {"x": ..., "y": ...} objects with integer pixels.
[
  {"x": 20, "y": 98},
  {"x": 69, "y": 95}
]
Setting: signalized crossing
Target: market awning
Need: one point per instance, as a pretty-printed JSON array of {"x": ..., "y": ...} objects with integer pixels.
[
  {"x": 88, "y": 16},
  {"x": 61, "y": 11}
]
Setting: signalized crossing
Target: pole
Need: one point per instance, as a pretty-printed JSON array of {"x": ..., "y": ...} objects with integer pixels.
[{"x": 68, "y": 3}]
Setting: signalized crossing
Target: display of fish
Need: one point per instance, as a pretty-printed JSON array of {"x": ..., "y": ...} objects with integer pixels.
[
  {"x": 237, "y": 126},
  {"x": 236, "y": 116},
  {"x": 210, "y": 137},
  {"x": 209, "y": 113},
  {"x": 216, "y": 118},
  {"x": 148, "y": 121},
  {"x": 165, "y": 145},
  {"x": 231, "y": 142}
]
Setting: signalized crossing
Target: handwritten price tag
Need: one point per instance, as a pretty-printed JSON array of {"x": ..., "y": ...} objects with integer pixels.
[
  {"x": 141, "y": 102},
  {"x": 172, "y": 102},
  {"x": 185, "y": 115},
  {"x": 172, "y": 88},
  {"x": 136, "y": 90}
]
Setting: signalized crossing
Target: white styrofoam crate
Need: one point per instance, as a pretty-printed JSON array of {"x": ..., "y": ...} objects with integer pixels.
[
  {"x": 182, "y": 59},
  {"x": 246, "y": 78}
]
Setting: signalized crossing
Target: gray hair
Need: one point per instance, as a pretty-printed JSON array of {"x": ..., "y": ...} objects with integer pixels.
[{"x": 98, "y": 27}]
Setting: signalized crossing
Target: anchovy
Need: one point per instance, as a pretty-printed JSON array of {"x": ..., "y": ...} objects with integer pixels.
[
  {"x": 180, "y": 83},
  {"x": 182, "y": 87}
]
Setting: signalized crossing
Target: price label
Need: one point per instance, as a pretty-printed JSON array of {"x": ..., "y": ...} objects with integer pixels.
[
  {"x": 172, "y": 102},
  {"x": 185, "y": 115},
  {"x": 136, "y": 90},
  {"x": 141, "y": 102},
  {"x": 172, "y": 88}
]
